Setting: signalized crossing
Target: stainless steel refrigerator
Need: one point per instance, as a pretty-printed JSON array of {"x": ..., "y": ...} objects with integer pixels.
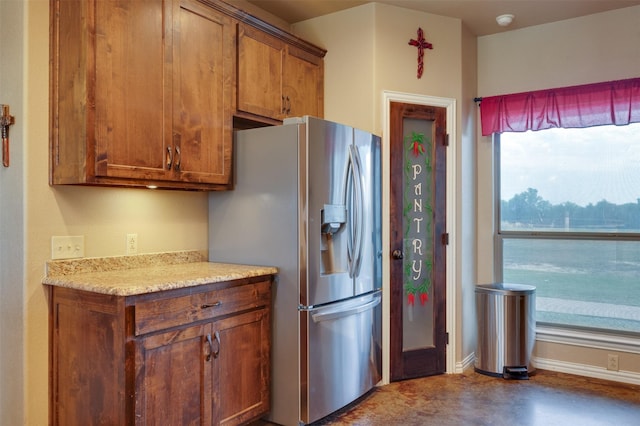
[{"x": 307, "y": 200}]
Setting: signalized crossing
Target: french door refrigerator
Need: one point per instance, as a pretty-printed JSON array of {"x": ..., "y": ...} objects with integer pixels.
[{"x": 307, "y": 200}]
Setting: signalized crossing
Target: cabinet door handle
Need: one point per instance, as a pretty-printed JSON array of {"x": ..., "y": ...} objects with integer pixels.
[
  {"x": 210, "y": 305},
  {"x": 169, "y": 157},
  {"x": 288, "y": 111},
  {"x": 178, "y": 158},
  {"x": 216, "y": 352},
  {"x": 210, "y": 347},
  {"x": 284, "y": 105}
]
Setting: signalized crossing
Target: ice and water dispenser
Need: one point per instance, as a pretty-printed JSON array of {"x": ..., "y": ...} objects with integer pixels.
[{"x": 334, "y": 216}]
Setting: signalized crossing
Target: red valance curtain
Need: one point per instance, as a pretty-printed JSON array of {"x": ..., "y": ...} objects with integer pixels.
[{"x": 612, "y": 102}]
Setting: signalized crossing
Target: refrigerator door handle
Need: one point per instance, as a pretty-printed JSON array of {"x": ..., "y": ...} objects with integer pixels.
[
  {"x": 356, "y": 205},
  {"x": 334, "y": 313},
  {"x": 349, "y": 194},
  {"x": 360, "y": 221}
]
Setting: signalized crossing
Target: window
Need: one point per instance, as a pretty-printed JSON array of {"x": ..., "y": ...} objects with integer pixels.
[{"x": 569, "y": 223}]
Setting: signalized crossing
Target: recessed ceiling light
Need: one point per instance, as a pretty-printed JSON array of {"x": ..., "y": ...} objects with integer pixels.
[{"x": 504, "y": 20}]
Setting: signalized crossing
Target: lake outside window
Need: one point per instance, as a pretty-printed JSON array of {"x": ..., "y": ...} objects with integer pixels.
[{"x": 569, "y": 223}]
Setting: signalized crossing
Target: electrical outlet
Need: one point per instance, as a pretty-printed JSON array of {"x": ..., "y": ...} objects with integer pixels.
[
  {"x": 612, "y": 362},
  {"x": 67, "y": 247},
  {"x": 132, "y": 243}
]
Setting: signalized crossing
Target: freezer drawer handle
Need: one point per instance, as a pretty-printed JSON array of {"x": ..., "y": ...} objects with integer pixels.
[
  {"x": 339, "y": 313},
  {"x": 211, "y": 305}
]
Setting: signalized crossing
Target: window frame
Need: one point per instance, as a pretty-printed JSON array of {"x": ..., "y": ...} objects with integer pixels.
[{"x": 552, "y": 329}]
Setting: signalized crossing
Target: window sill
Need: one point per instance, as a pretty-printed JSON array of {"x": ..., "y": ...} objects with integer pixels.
[{"x": 621, "y": 342}]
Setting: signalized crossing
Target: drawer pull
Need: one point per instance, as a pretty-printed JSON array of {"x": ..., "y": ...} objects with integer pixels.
[{"x": 211, "y": 305}]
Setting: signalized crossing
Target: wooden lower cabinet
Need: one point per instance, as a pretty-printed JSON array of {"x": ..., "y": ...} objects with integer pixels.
[
  {"x": 197, "y": 356},
  {"x": 245, "y": 348},
  {"x": 173, "y": 378}
]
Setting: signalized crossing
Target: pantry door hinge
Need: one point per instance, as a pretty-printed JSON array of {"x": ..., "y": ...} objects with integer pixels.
[
  {"x": 446, "y": 139},
  {"x": 447, "y": 336},
  {"x": 445, "y": 239}
]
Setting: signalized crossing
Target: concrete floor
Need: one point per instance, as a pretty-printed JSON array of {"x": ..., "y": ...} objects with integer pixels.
[{"x": 546, "y": 399}]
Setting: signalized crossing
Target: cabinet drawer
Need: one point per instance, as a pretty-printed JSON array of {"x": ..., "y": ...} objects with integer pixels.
[{"x": 153, "y": 315}]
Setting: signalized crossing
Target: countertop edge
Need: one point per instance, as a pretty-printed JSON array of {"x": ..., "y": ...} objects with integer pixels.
[{"x": 135, "y": 278}]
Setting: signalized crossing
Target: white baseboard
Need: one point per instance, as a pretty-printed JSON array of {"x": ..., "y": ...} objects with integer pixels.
[
  {"x": 465, "y": 363},
  {"x": 586, "y": 370},
  {"x": 622, "y": 376}
]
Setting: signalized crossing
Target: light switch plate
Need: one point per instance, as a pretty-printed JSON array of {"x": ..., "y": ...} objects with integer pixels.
[{"x": 67, "y": 247}]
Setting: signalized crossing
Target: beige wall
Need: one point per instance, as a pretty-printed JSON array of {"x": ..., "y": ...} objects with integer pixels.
[
  {"x": 466, "y": 190},
  {"x": 349, "y": 65},
  {"x": 591, "y": 49},
  {"x": 368, "y": 53},
  {"x": 12, "y": 219},
  {"x": 163, "y": 220}
]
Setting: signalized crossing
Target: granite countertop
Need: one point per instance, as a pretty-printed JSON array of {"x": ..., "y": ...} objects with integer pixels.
[{"x": 140, "y": 274}]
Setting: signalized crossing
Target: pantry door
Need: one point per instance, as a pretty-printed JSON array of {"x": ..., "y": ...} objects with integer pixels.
[{"x": 418, "y": 147}]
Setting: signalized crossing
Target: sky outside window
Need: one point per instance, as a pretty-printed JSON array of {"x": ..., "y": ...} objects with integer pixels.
[{"x": 581, "y": 166}]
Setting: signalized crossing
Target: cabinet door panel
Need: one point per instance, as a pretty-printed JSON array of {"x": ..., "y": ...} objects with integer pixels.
[
  {"x": 88, "y": 363},
  {"x": 303, "y": 87},
  {"x": 203, "y": 87},
  {"x": 173, "y": 378},
  {"x": 260, "y": 59},
  {"x": 241, "y": 376},
  {"x": 130, "y": 88}
]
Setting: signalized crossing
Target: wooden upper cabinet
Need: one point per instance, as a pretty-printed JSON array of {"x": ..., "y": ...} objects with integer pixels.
[
  {"x": 303, "y": 84},
  {"x": 203, "y": 66},
  {"x": 144, "y": 93},
  {"x": 141, "y": 93},
  {"x": 129, "y": 133},
  {"x": 260, "y": 61},
  {"x": 278, "y": 76}
]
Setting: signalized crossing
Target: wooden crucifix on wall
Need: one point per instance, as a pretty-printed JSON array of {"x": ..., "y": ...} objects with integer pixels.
[{"x": 421, "y": 44}]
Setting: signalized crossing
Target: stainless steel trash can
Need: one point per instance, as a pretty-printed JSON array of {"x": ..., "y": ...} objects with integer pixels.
[{"x": 506, "y": 329}]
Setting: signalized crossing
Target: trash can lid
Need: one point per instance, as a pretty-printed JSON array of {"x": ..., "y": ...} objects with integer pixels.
[{"x": 505, "y": 288}]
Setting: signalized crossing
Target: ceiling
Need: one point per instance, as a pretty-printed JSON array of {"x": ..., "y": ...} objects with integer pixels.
[{"x": 478, "y": 15}]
